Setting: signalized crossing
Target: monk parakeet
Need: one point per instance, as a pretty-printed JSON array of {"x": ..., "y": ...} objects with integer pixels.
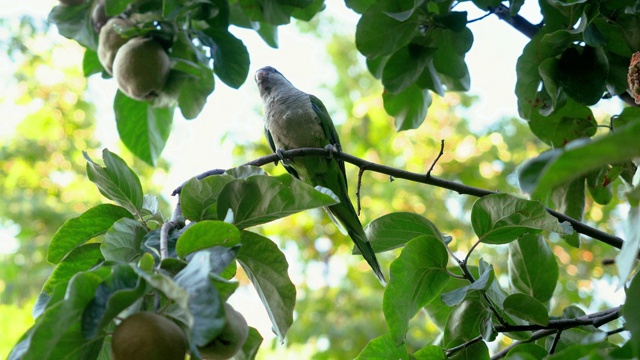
[{"x": 294, "y": 119}]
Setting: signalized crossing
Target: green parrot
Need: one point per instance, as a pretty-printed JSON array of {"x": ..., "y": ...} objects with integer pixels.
[{"x": 294, "y": 119}]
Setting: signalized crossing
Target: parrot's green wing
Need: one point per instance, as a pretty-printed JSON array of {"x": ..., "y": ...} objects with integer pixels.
[{"x": 329, "y": 130}]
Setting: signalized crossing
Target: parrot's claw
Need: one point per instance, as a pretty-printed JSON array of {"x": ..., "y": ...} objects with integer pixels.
[
  {"x": 280, "y": 153},
  {"x": 333, "y": 149}
]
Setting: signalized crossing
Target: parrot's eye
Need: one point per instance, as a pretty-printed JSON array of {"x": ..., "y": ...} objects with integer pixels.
[{"x": 267, "y": 89}]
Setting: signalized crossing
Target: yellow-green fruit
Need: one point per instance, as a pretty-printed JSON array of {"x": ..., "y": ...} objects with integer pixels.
[
  {"x": 148, "y": 336},
  {"x": 230, "y": 341},
  {"x": 110, "y": 42},
  {"x": 141, "y": 68}
]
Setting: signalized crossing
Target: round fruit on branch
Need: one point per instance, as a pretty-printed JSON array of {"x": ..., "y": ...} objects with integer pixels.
[
  {"x": 147, "y": 336},
  {"x": 141, "y": 68},
  {"x": 110, "y": 41}
]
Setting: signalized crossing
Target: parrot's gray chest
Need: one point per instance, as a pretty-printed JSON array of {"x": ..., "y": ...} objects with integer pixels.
[{"x": 293, "y": 123}]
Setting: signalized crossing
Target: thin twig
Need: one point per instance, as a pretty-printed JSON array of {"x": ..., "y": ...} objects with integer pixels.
[
  {"x": 360, "y": 173},
  {"x": 556, "y": 339},
  {"x": 596, "y": 319},
  {"x": 437, "y": 157},
  {"x": 462, "y": 346},
  {"x": 166, "y": 228},
  {"x": 430, "y": 180},
  {"x": 466, "y": 258}
]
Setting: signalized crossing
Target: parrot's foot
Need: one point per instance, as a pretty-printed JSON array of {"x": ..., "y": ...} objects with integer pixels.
[
  {"x": 280, "y": 153},
  {"x": 333, "y": 149}
]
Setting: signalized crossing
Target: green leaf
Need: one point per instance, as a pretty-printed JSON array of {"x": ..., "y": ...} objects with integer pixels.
[
  {"x": 530, "y": 172},
  {"x": 579, "y": 160},
  {"x": 251, "y": 346},
  {"x": 409, "y": 107},
  {"x": 599, "y": 184},
  {"x": 245, "y": 171},
  {"x": 260, "y": 199},
  {"x": 142, "y": 128},
  {"x": 307, "y": 12},
  {"x": 74, "y": 22},
  {"x": 487, "y": 4},
  {"x": 572, "y": 121},
  {"x": 617, "y": 77},
  {"x": 452, "y": 47},
  {"x": 77, "y": 231},
  {"x": 533, "y": 269},
  {"x": 430, "y": 79},
  {"x": 359, "y": 6},
  {"x": 81, "y": 258},
  {"x": 384, "y": 347},
  {"x": 167, "y": 286},
  {"x": 534, "y": 351},
  {"x": 194, "y": 92},
  {"x": 230, "y": 57},
  {"x": 418, "y": 275},
  {"x": 206, "y": 234},
  {"x": 199, "y": 198},
  {"x": 378, "y": 34},
  {"x": 430, "y": 352},
  {"x": 204, "y": 300},
  {"x": 467, "y": 320},
  {"x": 266, "y": 267},
  {"x": 569, "y": 199},
  {"x": 123, "y": 240},
  {"x": 455, "y": 297},
  {"x": 526, "y": 308},
  {"x": 268, "y": 33},
  {"x": 57, "y": 332},
  {"x": 405, "y": 66},
  {"x": 626, "y": 259},
  {"x": 117, "y": 292},
  {"x": 90, "y": 63},
  {"x": 630, "y": 311},
  {"x": 405, "y": 14},
  {"x": 270, "y": 11},
  {"x": 116, "y": 181},
  {"x": 528, "y": 75},
  {"x": 502, "y": 218},
  {"x": 115, "y": 7},
  {"x": 393, "y": 230}
]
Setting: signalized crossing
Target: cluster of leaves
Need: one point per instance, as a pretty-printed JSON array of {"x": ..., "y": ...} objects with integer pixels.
[
  {"x": 109, "y": 260},
  {"x": 579, "y": 56},
  {"x": 413, "y": 47},
  {"x": 115, "y": 260},
  {"x": 197, "y": 38}
]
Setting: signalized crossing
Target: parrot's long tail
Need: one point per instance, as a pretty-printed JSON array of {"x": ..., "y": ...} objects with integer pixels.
[{"x": 360, "y": 239}]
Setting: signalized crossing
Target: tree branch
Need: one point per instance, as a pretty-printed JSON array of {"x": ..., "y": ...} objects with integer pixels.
[
  {"x": 578, "y": 226},
  {"x": 596, "y": 319},
  {"x": 517, "y": 22}
]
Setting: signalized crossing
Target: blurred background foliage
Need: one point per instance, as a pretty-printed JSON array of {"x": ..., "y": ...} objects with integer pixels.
[{"x": 43, "y": 183}]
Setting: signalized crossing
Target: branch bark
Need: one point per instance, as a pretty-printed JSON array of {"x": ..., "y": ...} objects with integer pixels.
[{"x": 578, "y": 226}]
